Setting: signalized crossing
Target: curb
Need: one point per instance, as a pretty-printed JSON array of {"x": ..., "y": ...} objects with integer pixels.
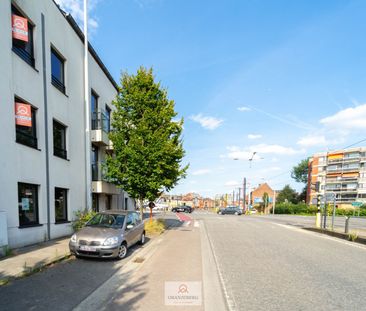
[
  {"x": 27, "y": 271},
  {"x": 340, "y": 235}
]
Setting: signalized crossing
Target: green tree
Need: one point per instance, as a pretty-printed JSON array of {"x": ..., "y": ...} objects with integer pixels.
[
  {"x": 287, "y": 194},
  {"x": 300, "y": 171},
  {"x": 265, "y": 199},
  {"x": 148, "y": 149}
]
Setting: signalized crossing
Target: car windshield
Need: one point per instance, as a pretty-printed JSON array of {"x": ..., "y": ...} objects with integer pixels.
[{"x": 106, "y": 221}]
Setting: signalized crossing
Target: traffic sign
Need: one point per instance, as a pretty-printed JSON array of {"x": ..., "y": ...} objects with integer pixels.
[{"x": 357, "y": 204}]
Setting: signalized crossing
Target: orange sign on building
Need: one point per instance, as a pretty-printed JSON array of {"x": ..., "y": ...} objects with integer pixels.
[
  {"x": 19, "y": 28},
  {"x": 23, "y": 114}
]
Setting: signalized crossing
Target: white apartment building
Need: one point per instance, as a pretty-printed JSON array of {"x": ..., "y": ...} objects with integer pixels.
[
  {"x": 42, "y": 114},
  {"x": 339, "y": 173}
]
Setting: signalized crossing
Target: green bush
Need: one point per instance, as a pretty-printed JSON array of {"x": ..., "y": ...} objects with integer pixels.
[
  {"x": 82, "y": 217},
  {"x": 295, "y": 209}
]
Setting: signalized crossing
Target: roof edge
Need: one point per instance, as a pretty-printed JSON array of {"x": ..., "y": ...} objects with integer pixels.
[{"x": 80, "y": 34}]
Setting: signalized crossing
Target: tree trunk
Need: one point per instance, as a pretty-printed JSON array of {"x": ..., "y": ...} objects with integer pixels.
[{"x": 141, "y": 202}]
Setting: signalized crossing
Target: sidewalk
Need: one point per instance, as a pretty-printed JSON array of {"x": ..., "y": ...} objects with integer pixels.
[
  {"x": 30, "y": 258},
  {"x": 180, "y": 255}
]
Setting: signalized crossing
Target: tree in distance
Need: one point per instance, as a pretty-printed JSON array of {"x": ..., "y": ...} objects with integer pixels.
[
  {"x": 148, "y": 148},
  {"x": 300, "y": 173},
  {"x": 287, "y": 195}
]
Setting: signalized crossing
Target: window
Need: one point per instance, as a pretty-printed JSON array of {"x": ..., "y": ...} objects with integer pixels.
[
  {"x": 60, "y": 205},
  {"x": 57, "y": 71},
  {"x": 94, "y": 163},
  {"x": 126, "y": 204},
  {"x": 95, "y": 202},
  {"x": 108, "y": 202},
  {"x": 25, "y": 123},
  {"x": 94, "y": 110},
  {"x": 59, "y": 140},
  {"x": 22, "y": 33},
  {"x": 137, "y": 218},
  {"x": 27, "y": 204}
]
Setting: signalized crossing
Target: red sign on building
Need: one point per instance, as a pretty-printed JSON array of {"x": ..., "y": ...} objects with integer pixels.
[
  {"x": 23, "y": 114},
  {"x": 19, "y": 28}
]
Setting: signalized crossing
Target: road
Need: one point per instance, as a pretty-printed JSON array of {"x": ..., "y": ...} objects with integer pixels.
[
  {"x": 270, "y": 266},
  {"x": 250, "y": 263}
]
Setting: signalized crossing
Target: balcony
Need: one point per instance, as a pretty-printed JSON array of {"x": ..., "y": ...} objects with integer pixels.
[
  {"x": 100, "y": 125},
  {"x": 99, "y": 183}
]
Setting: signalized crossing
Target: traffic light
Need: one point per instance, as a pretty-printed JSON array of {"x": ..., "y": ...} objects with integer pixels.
[{"x": 318, "y": 202}]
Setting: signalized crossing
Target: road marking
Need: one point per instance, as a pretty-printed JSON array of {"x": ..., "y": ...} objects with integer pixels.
[
  {"x": 196, "y": 224},
  {"x": 229, "y": 301},
  {"x": 323, "y": 236}
]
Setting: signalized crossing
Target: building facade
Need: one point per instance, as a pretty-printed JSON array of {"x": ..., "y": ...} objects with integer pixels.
[
  {"x": 256, "y": 197},
  {"x": 42, "y": 165},
  {"x": 340, "y": 174}
]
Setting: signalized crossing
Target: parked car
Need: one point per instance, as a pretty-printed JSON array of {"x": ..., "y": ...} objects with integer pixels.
[
  {"x": 184, "y": 208},
  {"x": 234, "y": 210},
  {"x": 108, "y": 234}
]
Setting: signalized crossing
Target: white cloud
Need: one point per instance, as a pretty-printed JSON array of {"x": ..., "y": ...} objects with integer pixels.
[
  {"x": 312, "y": 140},
  {"x": 260, "y": 149},
  {"x": 76, "y": 9},
  {"x": 201, "y": 172},
  {"x": 347, "y": 119},
  {"x": 254, "y": 136},
  {"x": 232, "y": 183},
  {"x": 244, "y": 108},
  {"x": 209, "y": 123}
]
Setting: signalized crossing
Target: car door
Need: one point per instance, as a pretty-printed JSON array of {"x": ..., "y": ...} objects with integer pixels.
[
  {"x": 130, "y": 232},
  {"x": 139, "y": 226},
  {"x": 231, "y": 210}
]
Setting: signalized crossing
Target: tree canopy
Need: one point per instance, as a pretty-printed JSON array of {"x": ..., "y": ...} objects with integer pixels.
[
  {"x": 300, "y": 171},
  {"x": 287, "y": 194},
  {"x": 146, "y": 138}
]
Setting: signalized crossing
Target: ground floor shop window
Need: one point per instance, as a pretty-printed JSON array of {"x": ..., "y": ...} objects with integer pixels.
[
  {"x": 60, "y": 205},
  {"x": 28, "y": 204}
]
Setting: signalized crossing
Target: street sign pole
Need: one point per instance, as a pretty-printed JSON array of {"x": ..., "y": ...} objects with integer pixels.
[{"x": 334, "y": 211}]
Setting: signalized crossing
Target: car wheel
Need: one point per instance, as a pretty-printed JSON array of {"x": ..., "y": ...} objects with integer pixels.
[
  {"x": 236, "y": 213},
  {"x": 142, "y": 239},
  {"x": 220, "y": 213},
  {"x": 122, "y": 251}
]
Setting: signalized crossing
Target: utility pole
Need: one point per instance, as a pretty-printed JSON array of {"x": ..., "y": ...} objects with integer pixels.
[
  {"x": 244, "y": 193},
  {"x": 87, "y": 113},
  {"x": 274, "y": 202},
  {"x": 239, "y": 197}
]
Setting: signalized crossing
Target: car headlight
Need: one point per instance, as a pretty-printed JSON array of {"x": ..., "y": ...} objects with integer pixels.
[
  {"x": 73, "y": 238},
  {"x": 111, "y": 241}
]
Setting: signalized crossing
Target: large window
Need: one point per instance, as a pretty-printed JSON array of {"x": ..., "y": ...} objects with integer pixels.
[
  {"x": 60, "y": 205},
  {"x": 58, "y": 70},
  {"x": 22, "y": 34},
  {"x": 59, "y": 140},
  {"x": 27, "y": 204},
  {"x": 25, "y": 123}
]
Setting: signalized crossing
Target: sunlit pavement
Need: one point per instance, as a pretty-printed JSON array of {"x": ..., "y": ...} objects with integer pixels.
[{"x": 243, "y": 263}]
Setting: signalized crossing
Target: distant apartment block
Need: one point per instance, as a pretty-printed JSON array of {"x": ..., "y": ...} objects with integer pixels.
[{"x": 340, "y": 172}]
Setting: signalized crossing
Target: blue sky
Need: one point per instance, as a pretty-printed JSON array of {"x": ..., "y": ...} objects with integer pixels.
[{"x": 284, "y": 79}]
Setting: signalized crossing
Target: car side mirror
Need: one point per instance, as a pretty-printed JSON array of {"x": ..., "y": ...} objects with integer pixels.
[{"x": 129, "y": 226}]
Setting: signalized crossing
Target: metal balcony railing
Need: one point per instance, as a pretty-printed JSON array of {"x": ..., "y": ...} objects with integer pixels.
[
  {"x": 101, "y": 121},
  {"x": 98, "y": 171}
]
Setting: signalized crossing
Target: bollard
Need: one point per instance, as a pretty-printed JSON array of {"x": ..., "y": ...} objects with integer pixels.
[
  {"x": 318, "y": 220},
  {"x": 346, "y": 228}
]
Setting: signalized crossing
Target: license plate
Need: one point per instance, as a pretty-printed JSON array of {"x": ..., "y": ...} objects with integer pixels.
[{"x": 88, "y": 248}]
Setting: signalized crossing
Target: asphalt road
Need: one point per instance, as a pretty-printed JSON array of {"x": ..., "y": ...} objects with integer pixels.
[
  {"x": 263, "y": 263},
  {"x": 271, "y": 266},
  {"x": 355, "y": 223}
]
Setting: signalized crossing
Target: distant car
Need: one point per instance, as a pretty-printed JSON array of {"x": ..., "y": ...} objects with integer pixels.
[
  {"x": 184, "y": 209},
  {"x": 108, "y": 234},
  {"x": 234, "y": 210}
]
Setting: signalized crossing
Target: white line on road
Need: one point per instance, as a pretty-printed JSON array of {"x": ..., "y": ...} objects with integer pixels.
[
  {"x": 186, "y": 223},
  {"x": 323, "y": 236},
  {"x": 196, "y": 224}
]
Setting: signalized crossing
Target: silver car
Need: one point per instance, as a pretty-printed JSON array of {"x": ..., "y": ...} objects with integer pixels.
[{"x": 108, "y": 234}]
